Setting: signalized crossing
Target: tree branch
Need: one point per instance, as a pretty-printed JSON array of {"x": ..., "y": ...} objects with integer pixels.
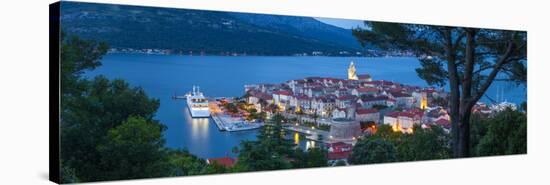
[
  {"x": 483, "y": 69},
  {"x": 458, "y": 39},
  {"x": 494, "y": 72}
]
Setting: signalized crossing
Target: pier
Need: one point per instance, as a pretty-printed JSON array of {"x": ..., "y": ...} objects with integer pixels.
[
  {"x": 218, "y": 122},
  {"x": 226, "y": 123}
]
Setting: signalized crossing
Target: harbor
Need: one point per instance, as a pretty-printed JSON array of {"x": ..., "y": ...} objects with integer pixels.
[
  {"x": 201, "y": 107},
  {"x": 202, "y": 136}
]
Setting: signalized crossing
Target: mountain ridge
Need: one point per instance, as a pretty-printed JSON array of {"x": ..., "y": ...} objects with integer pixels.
[{"x": 209, "y": 32}]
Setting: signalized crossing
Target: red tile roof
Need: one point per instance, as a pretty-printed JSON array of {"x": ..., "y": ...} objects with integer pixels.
[
  {"x": 224, "y": 161},
  {"x": 302, "y": 97},
  {"x": 287, "y": 93},
  {"x": 367, "y": 89},
  {"x": 400, "y": 114},
  {"x": 442, "y": 121},
  {"x": 263, "y": 96}
]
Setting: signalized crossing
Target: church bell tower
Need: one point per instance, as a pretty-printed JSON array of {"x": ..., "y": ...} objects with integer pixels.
[{"x": 352, "y": 75}]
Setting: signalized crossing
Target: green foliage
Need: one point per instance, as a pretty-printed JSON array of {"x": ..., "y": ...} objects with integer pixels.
[
  {"x": 273, "y": 151},
  {"x": 87, "y": 118},
  {"x": 506, "y": 134},
  {"x": 231, "y": 107},
  {"x": 107, "y": 127},
  {"x": 269, "y": 152},
  {"x": 368, "y": 151},
  {"x": 313, "y": 157},
  {"x": 67, "y": 174},
  {"x": 439, "y": 101},
  {"x": 478, "y": 129},
  {"x": 78, "y": 55},
  {"x": 424, "y": 144},
  {"x": 385, "y": 132},
  {"x": 432, "y": 71},
  {"x": 184, "y": 163},
  {"x": 262, "y": 116},
  {"x": 215, "y": 168},
  {"x": 134, "y": 149},
  {"x": 316, "y": 157},
  {"x": 340, "y": 163}
]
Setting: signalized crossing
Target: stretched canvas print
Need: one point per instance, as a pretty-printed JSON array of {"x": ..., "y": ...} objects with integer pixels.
[{"x": 147, "y": 92}]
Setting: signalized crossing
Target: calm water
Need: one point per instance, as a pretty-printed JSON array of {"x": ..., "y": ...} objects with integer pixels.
[{"x": 163, "y": 75}]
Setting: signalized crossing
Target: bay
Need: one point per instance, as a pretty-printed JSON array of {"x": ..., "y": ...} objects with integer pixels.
[{"x": 162, "y": 76}]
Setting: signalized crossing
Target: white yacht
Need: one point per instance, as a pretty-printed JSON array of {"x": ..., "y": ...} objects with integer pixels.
[{"x": 197, "y": 104}]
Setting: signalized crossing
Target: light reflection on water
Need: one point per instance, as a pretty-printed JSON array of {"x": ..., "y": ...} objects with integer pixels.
[
  {"x": 310, "y": 144},
  {"x": 296, "y": 138},
  {"x": 301, "y": 141},
  {"x": 199, "y": 127}
]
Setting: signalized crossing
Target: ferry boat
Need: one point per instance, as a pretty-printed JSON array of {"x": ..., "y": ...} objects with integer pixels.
[{"x": 197, "y": 104}]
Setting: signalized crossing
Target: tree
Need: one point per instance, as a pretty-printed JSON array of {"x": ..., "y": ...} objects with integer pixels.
[
  {"x": 386, "y": 132},
  {"x": 340, "y": 163},
  {"x": 214, "y": 168},
  {"x": 271, "y": 150},
  {"x": 469, "y": 60},
  {"x": 424, "y": 144},
  {"x": 184, "y": 163},
  {"x": 506, "y": 134},
  {"x": 67, "y": 174},
  {"x": 134, "y": 149},
  {"x": 316, "y": 157},
  {"x": 87, "y": 118},
  {"x": 315, "y": 116},
  {"x": 368, "y": 151},
  {"x": 313, "y": 157},
  {"x": 78, "y": 55}
]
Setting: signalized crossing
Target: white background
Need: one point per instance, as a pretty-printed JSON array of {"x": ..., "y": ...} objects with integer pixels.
[{"x": 24, "y": 91}]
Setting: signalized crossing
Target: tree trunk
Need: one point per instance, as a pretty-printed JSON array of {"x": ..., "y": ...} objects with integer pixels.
[
  {"x": 454, "y": 84},
  {"x": 463, "y": 145},
  {"x": 465, "y": 109}
]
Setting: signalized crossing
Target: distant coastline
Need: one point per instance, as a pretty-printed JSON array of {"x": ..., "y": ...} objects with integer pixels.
[{"x": 368, "y": 53}]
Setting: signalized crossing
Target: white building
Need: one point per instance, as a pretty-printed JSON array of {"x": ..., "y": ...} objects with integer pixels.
[{"x": 401, "y": 121}]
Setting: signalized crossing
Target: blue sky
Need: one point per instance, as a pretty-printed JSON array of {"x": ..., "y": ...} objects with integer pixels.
[{"x": 343, "y": 23}]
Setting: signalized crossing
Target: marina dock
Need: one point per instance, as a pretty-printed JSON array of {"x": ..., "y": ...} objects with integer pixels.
[{"x": 226, "y": 123}]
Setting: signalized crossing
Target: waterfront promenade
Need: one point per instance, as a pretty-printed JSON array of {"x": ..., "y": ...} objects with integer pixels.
[{"x": 311, "y": 133}]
